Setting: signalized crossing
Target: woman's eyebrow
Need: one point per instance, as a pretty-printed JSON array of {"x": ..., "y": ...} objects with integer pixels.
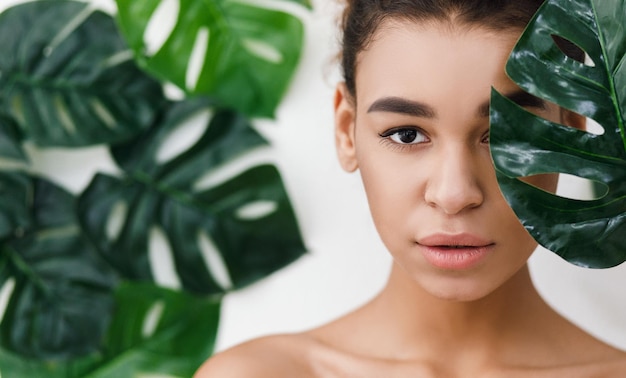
[
  {"x": 402, "y": 106},
  {"x": 520, "y": 97}
]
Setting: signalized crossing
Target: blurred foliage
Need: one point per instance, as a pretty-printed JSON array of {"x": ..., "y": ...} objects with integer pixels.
[
  {"x": 246, "y": 53},
  {"x": 76, "y": 268}
]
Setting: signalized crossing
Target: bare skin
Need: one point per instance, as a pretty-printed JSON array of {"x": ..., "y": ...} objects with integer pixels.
[
  {"x": 519, "y": 336},
  {"x": 452, "y": 309}
]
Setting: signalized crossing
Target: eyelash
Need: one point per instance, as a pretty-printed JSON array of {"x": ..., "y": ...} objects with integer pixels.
[{"x": 388, "y": 136}]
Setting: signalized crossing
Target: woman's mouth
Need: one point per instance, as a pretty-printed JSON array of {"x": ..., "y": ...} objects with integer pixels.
[{"x": 455, "y": 252}]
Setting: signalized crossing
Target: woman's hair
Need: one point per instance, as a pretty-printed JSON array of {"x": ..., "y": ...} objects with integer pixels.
[{"x": 362, "y": 18}]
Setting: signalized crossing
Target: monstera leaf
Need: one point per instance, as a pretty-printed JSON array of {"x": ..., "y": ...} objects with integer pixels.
[
  {"x": 240, "y": 53},
  {"x": 68, "y": 79},
  {"x": 154, "y": 332},
  {"x": 247, "y": 220},
  {"x": 62, "y": 297},
  {"x": 177, "y": 334},
  {"x": 588, "y": 233},
  {"x": 10, "y": 141}
]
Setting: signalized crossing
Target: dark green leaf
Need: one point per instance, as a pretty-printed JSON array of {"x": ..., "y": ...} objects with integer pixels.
[
  {"x": 168, "y": 196},
  {"x": 68, "y": 79},
  {"x": 587, "y": 233},
  {"x": 158, "y": 331},
  {"x": 11, "y": 141},
  {"x": 16, "y": 366},
  {"x": 16, "y": 195},
  {"x": 250, "y": 52},
  {"x": 61, "y": 301},
  {"x": 154, "y": 331}
]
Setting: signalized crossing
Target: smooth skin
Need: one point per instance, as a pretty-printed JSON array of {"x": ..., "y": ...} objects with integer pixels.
[{"x": 418, "y": 133}]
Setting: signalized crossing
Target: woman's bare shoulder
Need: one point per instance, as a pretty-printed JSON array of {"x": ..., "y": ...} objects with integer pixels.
[{"x": 270, "y": 356}]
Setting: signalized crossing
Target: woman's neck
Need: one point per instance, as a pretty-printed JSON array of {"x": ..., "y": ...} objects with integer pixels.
[{"x": 414, "y": 323}]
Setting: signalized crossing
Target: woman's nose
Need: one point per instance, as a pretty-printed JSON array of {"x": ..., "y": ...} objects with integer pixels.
[{"x": 454, "y": 185}]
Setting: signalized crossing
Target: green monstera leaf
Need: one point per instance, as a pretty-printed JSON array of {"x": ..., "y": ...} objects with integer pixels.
[
  {"x": 68, "y": 79},
  {"x": 587, "y": 233},
  {"x": 177, "y": 334},
  {"x": 238, "y": 52},
  {"x": 154, "y": 332},
  {"x": 222, "y": 234},
  {"x": 10, "y": 141},
  {"x": 62, "y": 298}
]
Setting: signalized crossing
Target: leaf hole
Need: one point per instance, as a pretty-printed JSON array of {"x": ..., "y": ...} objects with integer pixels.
[
  {"x": 69, "y": 28},
  {"x": 256, "y": 210},
  {"x": 263, "y": 50},
  {"x": 570, "y": 186},
  {"x": 594, "y": 127},
  {"x": 572, "y": 50},
  {"x": 162, "y": 260},
  {"x": 118, "y": 58},
  {"x": 152, "y": 318},
  {"x": 185, "y": 135},
  {"x": 173, "y": 92},
  {"x": 64, "y": 115},
  {"x": 115, "y": 221},
  {"x": 103, "y": 113},
  {"x": 5, "y": 296},
  {"x": 196, "y": 60},
  {"x": 579, "y": 188},
  {"x": 161, "y": 24},
  {"x": 230, "y": 170},
  {"x": 214, "y": 261}
]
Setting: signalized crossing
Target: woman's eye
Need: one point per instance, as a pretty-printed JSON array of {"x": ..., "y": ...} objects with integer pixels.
[{"x": 405, "y": 135}]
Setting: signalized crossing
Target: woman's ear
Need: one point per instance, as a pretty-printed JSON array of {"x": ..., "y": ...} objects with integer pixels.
[
  {"x": 574, "y": 120},
  {"x": 344, "y": 128}
]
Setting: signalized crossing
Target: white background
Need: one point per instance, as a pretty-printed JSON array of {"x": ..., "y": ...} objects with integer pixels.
[{"x": 346, "y": 263}]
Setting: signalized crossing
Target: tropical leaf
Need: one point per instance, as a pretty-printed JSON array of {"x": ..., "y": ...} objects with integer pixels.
[
  {"x": 14, "y": 365},
  {"x": 68, "y": 79},
  {"x": 154, "y": 332},
  {"x": 62, "y": 291},
  {"x": 587, "y": 233},
  {"x": 246, "y": 54},
  {"x": 177, "y": 333},
  {"x": 10, "y": 141},
  {"x": 247, "y": 219}
]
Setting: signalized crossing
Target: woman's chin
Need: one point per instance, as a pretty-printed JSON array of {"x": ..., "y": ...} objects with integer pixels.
[{"x": 455, "y": 287}]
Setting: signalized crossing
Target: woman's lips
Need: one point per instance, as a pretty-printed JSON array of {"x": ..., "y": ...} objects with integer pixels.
[{"x": 454, "y": 252}]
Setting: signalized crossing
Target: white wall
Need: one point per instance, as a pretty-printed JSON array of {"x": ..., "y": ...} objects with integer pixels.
[{"x": 346, "y": 264}]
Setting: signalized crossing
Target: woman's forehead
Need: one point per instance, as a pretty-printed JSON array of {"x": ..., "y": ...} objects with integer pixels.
[
  {"x": 408, "y": 54},
  {"x": 450, "y": 70}
]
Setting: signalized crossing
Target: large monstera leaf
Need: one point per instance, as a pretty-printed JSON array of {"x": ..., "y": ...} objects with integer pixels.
[
  {"x": 246, "y": 221},
  {"x": 62, "y": 297},
  {"x": 153, "y": 332},
  {"x": 588, "y": 233},
  {"x": 67, "y": 77},
  {"x": 242, "y": 53},
  {"x": 177, "y": 333}
]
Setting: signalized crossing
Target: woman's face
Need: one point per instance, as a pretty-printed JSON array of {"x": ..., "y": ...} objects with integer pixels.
[{"x": 418, "y": 133}]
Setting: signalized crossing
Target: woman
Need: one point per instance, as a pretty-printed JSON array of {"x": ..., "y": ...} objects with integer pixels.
[{"x": 413, "y": 117}]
